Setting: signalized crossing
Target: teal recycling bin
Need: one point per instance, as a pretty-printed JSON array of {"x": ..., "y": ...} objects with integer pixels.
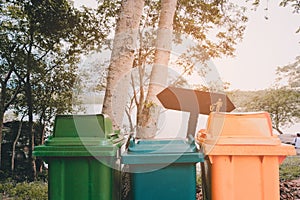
[
  {"x": 162, "y": 169},
  {"x": 83, "y": 158}
]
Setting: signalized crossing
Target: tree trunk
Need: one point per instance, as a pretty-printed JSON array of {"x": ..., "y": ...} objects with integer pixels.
[
  {"x": 278, "y": 130},
  {"x": 159, "y": 74},
  {"x": 28, "y": 92},
  {"x": 121, "y": 62},
  {"x": 4, "y": 104},
  {"x": 14, "y": 147},
  {"x": 1, "y": 133},
  {"x": 42, "y": 136},
  {"x": 3, "y": 96},
  {"x": 2, "y": 111}
]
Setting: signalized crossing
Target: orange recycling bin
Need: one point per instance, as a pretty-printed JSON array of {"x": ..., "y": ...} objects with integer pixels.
[{"x": 242, "y": 157}]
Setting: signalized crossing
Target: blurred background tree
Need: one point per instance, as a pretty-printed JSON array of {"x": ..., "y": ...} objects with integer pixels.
[{"x": 41, "y": 43}]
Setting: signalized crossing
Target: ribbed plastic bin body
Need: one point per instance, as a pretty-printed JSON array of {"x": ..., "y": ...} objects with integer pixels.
[
  {"x": 83, "y": 159},
  {"x": 162, "y": 169},
  {"x": 81, "y": 178},
  {"x": 243, "y": 157}
]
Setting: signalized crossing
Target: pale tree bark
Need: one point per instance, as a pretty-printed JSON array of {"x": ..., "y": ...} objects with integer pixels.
[
  {"x": 14, "y": 146},
  {"x": 147, "y": 127},
  {"x": 1, "y": 136},
  {"x": 122, "y": 56}
]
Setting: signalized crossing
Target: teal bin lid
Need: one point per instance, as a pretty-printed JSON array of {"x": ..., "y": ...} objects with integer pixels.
[
  {"x": 160, "y": 146},
  {"x": 81, "y": 135},
  {"x": 162, "y": 151}
]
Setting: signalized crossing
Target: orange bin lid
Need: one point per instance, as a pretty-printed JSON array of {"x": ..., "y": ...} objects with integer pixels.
[
  {"x": 240, "y": 129},
  {"x": 225, "y": 131},
  {"x": 239, "y": 124}
]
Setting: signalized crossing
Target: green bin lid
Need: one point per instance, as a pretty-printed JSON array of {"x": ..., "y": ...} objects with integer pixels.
[
  {"x": 75, "y": 151},
  {"x": 81, "y": 135},
  {"x": 98, "y": 125}
]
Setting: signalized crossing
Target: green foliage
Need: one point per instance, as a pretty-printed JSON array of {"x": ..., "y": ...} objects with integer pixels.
[
  {"x": 290, "y": 73},
  {"x": 194, "y": 23},
  {"x": 24, "y": 190},
  {"x": 290, "y": 168},
  {"x": 199, "y": 19},
  {"x": 293, "y": 3},
  {"x": 22, "y": 162},
  {"x": 54, "y": 35},
  {"x": 41, "y": 43},
  {"x": 6, "y": 186},
  {"x": 241, "y": 98},
  {"x": 282, "y": 104}
]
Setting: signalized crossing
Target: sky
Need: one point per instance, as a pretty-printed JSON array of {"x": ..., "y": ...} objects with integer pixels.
[{"x": 267, "y": 44}]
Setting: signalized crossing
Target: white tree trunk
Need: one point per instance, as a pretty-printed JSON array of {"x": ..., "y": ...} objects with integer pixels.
[
  {"x": 159, "y": 74},
  {"x": 122, "y": 57}
]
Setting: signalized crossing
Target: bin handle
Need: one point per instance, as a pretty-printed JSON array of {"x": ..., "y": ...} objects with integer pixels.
[
  {"x": 113, "y": 135},
  {"x": 130, "y": 140},
  {"x": 190, "y": 139},
  {"x": 201, "y": 136}
]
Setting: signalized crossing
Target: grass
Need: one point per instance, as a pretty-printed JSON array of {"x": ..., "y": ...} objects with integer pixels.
[
  {"x": 24, "y": 191},
  {"x": 290, "y": 168}
]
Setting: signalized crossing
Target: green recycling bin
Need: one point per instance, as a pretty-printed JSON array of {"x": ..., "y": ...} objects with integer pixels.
[
  {"x": 162, "y": 169},
  {"x": 83, "y": 158}
]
